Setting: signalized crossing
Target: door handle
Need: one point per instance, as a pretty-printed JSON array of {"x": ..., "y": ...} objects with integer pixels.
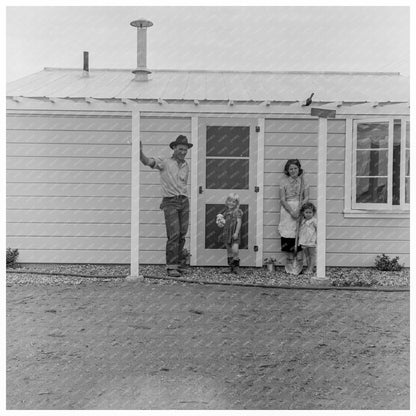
[{"x": 200, "y": 190}]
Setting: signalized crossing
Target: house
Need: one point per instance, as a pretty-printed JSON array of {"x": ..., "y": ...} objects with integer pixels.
[{"x": 72, "y": 160}]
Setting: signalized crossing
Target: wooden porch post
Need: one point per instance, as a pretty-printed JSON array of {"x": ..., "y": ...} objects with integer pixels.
[
  {"x": 323, "y": 115},
  {"x": 260, "y": 195},
  {"x": 135, "y": 197},
  {"x": 194, "y": 193}
]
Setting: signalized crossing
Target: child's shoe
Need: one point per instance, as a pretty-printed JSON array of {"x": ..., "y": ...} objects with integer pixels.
[{"x": 229, "y": 261}]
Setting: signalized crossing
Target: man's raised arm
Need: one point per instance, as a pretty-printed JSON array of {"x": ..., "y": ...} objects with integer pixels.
[{"x": 147, "y": 161}]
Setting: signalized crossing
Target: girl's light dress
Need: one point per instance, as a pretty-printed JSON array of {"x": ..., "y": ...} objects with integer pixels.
[{"x": 307, "y": 232}]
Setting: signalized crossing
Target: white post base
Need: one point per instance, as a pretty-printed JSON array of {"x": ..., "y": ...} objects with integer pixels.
[
  {"x": 320, "y": 281},
  {"x": 133, "y": 278}
]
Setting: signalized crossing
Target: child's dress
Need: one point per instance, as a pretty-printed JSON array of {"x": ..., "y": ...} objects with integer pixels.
[
  {"x": 307, "y": 232},
  {"x": 231, "y": 216}
]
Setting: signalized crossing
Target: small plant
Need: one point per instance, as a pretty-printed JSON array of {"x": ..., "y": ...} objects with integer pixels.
[
  {"x": 11, "y": 257},
  {"x": 385, "y": 263}
]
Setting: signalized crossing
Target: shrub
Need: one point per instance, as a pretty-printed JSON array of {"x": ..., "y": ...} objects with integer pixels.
[
  {"x": 11, "y": 257},
  {"x": 385, "y": 263}
]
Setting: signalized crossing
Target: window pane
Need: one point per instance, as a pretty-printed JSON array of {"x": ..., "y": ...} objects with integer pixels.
[
  {"x": 228, "y": 141},
  {"x": 373, "y": 135},
  {"x": 407, "y": 173},
  {"x": 372, "y": 163},
  {"x": 397, "y": 132},
  {"x": 396, "y": 170},
  {"x": 407, "y": 192},
  {"x": 213, "y": 232},
  {"x": 371, "y": 190},
  {"x": 407, "y": 134},
  {"x": 227, "y": 173}
]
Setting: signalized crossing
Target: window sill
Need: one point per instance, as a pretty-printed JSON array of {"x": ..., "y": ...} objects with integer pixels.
[{"x": 376, "y": 214}]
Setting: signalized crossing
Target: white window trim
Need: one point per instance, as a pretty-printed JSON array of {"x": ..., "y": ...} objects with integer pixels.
[
  {"x": 373, "y": 210},
  {"x": 403, "y": 150}
]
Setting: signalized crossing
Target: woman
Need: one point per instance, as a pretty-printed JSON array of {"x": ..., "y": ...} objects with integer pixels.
[{"x": 294, "y": 192}]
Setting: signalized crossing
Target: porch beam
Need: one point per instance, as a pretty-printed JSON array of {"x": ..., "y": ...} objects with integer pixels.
[{"x": 189, "y": 106}]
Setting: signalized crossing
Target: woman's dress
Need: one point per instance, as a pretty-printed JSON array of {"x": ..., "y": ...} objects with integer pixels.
[{"x": 291, "y": 188}]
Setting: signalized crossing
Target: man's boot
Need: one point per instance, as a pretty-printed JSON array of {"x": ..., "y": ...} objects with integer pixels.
[{"x": 235, "y": 266}]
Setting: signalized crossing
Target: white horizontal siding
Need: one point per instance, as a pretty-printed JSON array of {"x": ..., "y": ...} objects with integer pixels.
[
  {"x": 85, "y": 256},
  {"x": 351, "y": 246},
  {"x": 69, "y": 187},
  {"x": 310, "y": 166},
  {"x": 82, "y": 137},
  {"x": 350, "y": 241},
  {"x": 301, "y": 139},
  {"x": 78, "y": 122},
  {"x": 86, "y": 243},
  {"x": 353, "y": 233},
  {"x": 334, "y": 218},
  {"x": 67, "y": 176},
  {"x": 121, "y": 150},
  {"x": 68, "y": 163}
]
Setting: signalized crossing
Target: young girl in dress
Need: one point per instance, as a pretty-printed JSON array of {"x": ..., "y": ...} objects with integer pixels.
[
  {"x": 307, "y": 234},
  {"x": 230, "y": 219}
]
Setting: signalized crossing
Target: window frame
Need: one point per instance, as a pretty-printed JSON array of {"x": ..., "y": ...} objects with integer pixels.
[{"x": 356, "y": 209}]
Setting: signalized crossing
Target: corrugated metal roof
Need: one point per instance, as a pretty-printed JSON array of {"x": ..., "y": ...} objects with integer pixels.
[{"x": 215, "y": 85}]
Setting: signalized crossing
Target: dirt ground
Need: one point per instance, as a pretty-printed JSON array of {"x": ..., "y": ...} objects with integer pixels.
[{"x": 157, "y": 345}]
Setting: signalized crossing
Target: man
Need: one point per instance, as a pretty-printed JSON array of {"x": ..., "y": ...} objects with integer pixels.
[{"x": 174, "y": 172}]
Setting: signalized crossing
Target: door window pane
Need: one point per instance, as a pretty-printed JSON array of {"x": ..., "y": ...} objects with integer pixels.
[
  {"x": 228, "y": 141},
  {"x": 227, "y": 173},
  {"x": 371, "y": 190},
  {"x": 213, "y": 233}
]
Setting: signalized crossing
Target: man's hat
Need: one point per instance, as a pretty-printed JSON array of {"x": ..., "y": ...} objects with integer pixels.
[{"x": 180, "y": 140}]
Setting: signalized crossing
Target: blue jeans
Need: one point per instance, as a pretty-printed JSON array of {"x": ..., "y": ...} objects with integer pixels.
[{"x": 176, "y": 212}]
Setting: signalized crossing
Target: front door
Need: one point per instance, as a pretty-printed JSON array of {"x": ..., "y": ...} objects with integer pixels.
[{"x": 227, "y": 158}]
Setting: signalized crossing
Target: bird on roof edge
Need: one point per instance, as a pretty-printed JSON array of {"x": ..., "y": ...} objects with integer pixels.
[{"x": 309, "y": 100}]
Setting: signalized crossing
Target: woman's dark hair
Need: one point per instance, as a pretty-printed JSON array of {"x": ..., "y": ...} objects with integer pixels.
[
  {"x": 293, "y": 162},
  {"x": 308, "y": 205}
]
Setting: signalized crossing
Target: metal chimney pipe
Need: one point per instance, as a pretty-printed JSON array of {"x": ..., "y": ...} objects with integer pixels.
[
  {"x": 86, "y": 68},
  {"x": 141, "y": 72}
]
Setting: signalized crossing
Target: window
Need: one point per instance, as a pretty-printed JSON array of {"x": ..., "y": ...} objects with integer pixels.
[{"x": 381, "y": 164}]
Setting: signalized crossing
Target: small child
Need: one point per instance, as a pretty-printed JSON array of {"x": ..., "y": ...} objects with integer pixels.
[
  {"x": 307, "y": 234},
  {"x": 230, "y": 220}
]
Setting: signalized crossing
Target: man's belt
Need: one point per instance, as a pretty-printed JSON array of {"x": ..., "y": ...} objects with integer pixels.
[{"x": 179, "y": 197}]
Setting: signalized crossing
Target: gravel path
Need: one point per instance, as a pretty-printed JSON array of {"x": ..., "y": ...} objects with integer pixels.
[{"x": 76, "y": 274}]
